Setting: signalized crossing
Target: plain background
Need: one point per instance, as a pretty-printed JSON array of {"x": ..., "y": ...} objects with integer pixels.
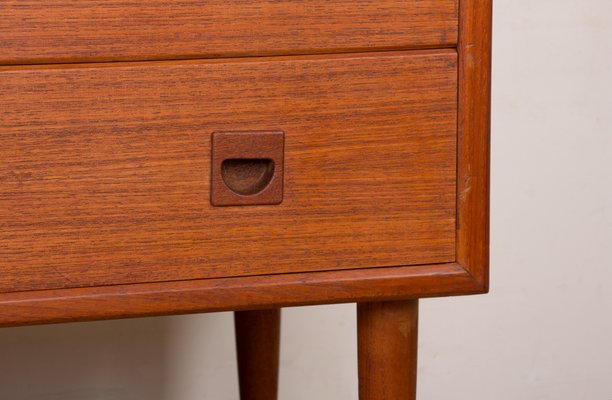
[{"x": 544, "y": 331}]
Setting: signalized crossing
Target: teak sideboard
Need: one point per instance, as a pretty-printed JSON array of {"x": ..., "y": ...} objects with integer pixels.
[{"x": 166, "y": 157}]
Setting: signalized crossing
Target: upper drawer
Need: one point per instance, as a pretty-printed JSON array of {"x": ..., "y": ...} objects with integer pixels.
[{"x": 94, "y": 30}]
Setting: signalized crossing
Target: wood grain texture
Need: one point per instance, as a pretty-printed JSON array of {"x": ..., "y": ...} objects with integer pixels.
[
  {"x": 473, "y": 163},
  {"x": 469, "y": 275},
  {"x": 105, "y": 170},
  {"x": 387, "y": 349},
  {"x": 258, "y": 350},
  {"x": 244, "y": 293},
  {"x": 40, "y": 31}
]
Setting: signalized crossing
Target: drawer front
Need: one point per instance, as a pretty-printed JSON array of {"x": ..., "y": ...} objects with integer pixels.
[
  {"x": 105, "y": 170},
  {"x": 86, "y": 30}
]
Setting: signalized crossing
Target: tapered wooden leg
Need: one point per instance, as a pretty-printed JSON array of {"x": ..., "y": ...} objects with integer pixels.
[
  {"x": 257, "y": 345},
  {"x": 387, "y": 346}
]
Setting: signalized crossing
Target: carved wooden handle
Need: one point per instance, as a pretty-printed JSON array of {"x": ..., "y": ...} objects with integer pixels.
[{"x": 247, "y": 168}]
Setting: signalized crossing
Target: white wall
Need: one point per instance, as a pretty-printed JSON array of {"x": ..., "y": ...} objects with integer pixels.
[{"x": 543, "y": 332}]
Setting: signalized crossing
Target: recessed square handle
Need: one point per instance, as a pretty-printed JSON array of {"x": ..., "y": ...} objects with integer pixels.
[{"x": 247, "y": 168}]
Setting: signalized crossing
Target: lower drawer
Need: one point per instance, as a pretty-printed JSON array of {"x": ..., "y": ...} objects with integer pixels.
[{"x": 105, "y": 170}]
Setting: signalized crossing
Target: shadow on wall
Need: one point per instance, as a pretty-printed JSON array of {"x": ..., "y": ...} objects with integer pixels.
[
  {"x": 148, "y": 358},
  {"x": 186, "y": 357}
]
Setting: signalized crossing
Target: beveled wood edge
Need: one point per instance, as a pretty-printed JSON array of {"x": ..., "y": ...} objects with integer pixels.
[
  {"x": 473, "y": 157},
  {"x": 419, "y": 52},
  {"x": 25, "y": 62},
  {"x": 231, "y": 294}
]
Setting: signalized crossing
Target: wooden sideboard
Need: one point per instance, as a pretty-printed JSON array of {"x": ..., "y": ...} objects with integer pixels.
[{"x": 168, "y": 157}]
